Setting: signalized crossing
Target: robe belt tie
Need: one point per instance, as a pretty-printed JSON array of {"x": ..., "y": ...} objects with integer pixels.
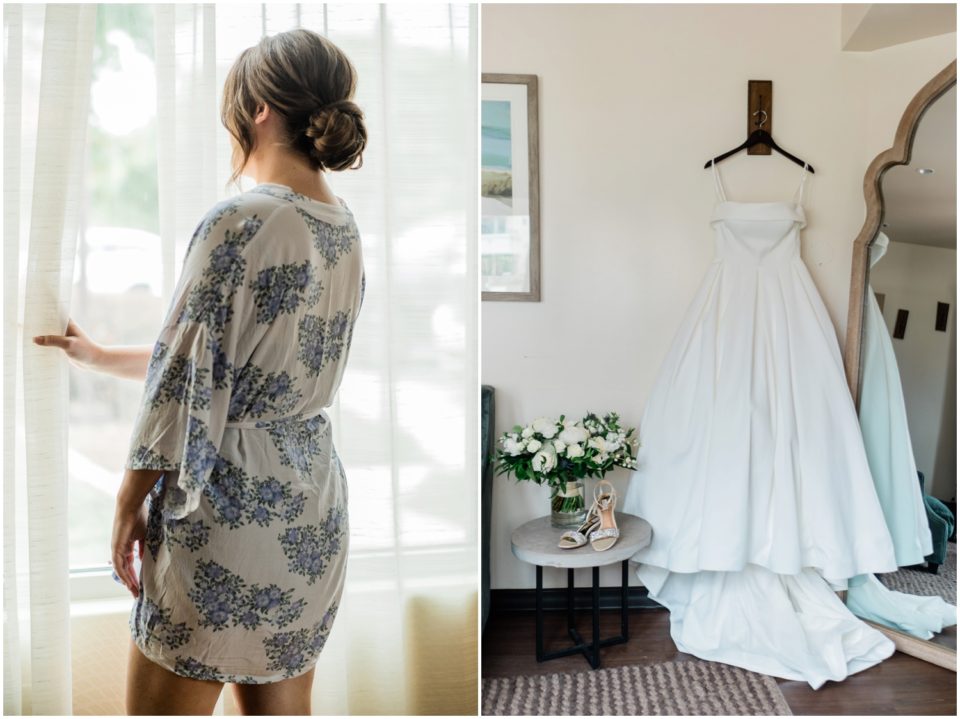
[{"x": 265, "y": 423}]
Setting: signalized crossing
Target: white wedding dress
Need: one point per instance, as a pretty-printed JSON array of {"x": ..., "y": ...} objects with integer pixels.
[
  {"x": 886, "y": 438},
  {"x": 752, "y": 470}
]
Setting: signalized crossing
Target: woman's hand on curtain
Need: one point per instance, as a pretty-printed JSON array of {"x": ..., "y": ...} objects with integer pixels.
[
  {"x": 130, "y": 524},
  {"x": 129, "y": 361}
]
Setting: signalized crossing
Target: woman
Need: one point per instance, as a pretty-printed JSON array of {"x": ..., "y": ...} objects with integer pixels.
[{"x": 233, "y": 491}]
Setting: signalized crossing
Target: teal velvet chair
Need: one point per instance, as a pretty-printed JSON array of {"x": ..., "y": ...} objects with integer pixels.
[{"x": 942, "y": 523}]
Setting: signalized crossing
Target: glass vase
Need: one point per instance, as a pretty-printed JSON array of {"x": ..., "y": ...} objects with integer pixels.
[{"x": 567, "y": 506}]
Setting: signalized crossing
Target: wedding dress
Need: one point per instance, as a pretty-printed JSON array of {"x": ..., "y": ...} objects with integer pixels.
[
  {"x": 752, "y": 470},
  {"x": 886, "y": 437}
]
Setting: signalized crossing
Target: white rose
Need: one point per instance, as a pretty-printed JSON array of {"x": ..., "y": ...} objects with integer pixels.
[
  {"x": 574, "y": 435},
  {"x": 597, "y": 443},
  {"x": 559, "y": 446},
  {"x": 574, "y": 451},
  {"x": 533, "y": 445},
  {"x": 512, "y": 447},
  {"x": 545, "y": 460},
  {"x": 601, "y": 458},
  {"x": 546, "y": 427},
  {"x": 527, "y": 432}
]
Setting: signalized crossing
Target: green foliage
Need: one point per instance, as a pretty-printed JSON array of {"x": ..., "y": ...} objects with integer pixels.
[
  {"x": 135, "y": 20},
  {"x": 122, "y": 187},
  {"x": 122, "y": 174}
]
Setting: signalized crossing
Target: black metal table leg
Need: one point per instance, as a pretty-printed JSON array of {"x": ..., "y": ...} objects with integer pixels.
[
  {"x": 539, "y": 613},
  {"x": 595, "y": 660},
  {"x": 590, "y": 651},
  {"x": 624, "y": 601}
]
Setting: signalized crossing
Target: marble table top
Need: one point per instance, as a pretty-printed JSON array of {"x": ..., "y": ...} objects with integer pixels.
[{"x": 536, "y": 542}]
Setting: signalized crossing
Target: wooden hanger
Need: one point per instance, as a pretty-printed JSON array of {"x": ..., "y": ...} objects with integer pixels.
[{"x": 759, "y": 137}]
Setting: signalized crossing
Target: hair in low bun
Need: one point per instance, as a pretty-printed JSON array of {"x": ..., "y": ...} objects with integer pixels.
[
  {"x": 309, "y": 82},
  {"x": 339, "y": 135}
]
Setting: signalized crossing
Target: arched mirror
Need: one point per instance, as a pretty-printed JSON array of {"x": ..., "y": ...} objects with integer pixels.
[{"x": 901, "y": 347}]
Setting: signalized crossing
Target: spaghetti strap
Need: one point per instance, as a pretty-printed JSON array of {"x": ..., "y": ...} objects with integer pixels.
[
  {"x": 716, "y": 179},
  {"x": 798, "y": 195}
]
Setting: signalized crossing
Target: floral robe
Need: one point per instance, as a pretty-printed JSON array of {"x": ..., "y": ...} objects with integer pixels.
[{"x": 246, "y": 544}]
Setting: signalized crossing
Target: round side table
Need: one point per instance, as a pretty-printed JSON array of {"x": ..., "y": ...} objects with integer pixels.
[{"x": 536, "y": 543}]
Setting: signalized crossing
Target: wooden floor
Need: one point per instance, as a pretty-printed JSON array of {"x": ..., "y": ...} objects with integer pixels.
[{"x": 899, "y": 685}]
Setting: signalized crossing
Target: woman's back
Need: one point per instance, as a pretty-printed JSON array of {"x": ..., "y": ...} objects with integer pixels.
[
  {"x": 302, "y": 301},
  {"x": 248, "y": 529}
]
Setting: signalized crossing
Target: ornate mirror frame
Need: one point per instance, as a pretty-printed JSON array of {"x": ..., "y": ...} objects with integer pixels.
[{"x": 898, "y": 154}]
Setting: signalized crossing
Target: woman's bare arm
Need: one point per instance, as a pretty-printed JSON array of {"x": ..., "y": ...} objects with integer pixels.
[{"x": 129, "y": 361}]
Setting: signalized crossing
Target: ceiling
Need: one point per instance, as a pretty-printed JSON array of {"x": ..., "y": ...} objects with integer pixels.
[
  {"x": 922, "y": 209},
  {"x": 871, "y": 26}
]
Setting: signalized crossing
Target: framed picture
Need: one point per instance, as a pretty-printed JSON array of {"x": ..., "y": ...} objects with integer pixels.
[{"x": 509, "y": 188}]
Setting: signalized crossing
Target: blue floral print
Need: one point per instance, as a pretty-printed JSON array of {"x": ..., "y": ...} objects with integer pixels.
[
  {"x": 190, "y": 667},
  {"x": 200, "y": 454},
  {"x": 291, "y": 652},
  {"x": 255, "y": 393},
  {"x": 223, "y": 599},
  {"x": 152, "y": 623},
  {"x": 308, "y": 548},
  {"x": 239, "y": 499},
  {"x": 210, "y": 302},
  {"x": 222, "y": 209},
  {"x": 331, "y": 240},
  {"x": 227, "y": 492},
  {"x": 222, "y": 369},
  {"x": 276, "y": 500},
  {"x": 282, "y": 288},
  {"x": 144, "y": 458},
  {"x": 298, "y": 442},
  {"x": 189, "y": 534},
  {"x": 322, "y": 341},
  {"x": 175, "y": 377}
]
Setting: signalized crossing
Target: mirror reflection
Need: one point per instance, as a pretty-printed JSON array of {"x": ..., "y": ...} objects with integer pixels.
[{"x": 909, "y": 356}]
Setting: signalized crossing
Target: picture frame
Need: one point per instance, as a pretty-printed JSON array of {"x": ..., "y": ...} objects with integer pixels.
[{"x": 509, "y": 188}]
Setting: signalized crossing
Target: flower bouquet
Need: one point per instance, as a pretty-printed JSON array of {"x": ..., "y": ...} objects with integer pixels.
[{"x": 561, "y": 452}]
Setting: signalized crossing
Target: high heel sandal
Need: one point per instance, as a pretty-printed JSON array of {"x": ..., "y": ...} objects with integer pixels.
[
  {"x": 606, "y": 535},
  {"x": 573, "y": 538}
]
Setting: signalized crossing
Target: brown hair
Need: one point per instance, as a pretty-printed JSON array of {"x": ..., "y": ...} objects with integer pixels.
[{"x": 309, "y": 82}]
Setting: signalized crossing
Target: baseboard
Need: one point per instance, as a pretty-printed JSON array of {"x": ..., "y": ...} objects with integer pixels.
[{"x": 524, "y": 600}]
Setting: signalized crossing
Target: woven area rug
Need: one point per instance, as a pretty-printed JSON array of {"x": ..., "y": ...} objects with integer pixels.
[
  {"x": 912, "y": 581},
  {"x": 689, "y": 688}
]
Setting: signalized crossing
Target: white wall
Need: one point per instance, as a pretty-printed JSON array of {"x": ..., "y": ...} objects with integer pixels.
[
  {"x": 914, "y": 278},
  {"x": 633, "y": 100}
]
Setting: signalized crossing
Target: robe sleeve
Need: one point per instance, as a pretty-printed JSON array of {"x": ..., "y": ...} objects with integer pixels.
[{"x": 190, "y": 376}]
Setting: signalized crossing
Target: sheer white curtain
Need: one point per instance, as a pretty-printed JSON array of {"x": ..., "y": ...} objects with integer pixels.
[
  {"x": 405, "y": 422},
  {"x": 48, "y": 53}
]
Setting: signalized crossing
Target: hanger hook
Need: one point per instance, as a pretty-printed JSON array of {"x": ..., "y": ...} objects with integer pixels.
[{"x": 761, "y": 123}]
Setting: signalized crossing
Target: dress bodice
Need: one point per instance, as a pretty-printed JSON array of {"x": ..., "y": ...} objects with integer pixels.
[
  {"x": 878, "y": 248},
  {"x": 757, "y": 233}
]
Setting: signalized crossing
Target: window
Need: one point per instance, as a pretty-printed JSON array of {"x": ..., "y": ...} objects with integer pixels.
[{"x": 117, "y": 282}]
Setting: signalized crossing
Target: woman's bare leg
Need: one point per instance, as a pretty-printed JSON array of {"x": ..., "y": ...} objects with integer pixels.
[
  {"x": 287, "y": 696},
  {"x": 153, "y": 689}
]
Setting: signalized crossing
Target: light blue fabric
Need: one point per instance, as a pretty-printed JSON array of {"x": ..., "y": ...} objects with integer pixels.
[
  {"x": 886, "y": 438},
  {"x": 922, "y": 617}
]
